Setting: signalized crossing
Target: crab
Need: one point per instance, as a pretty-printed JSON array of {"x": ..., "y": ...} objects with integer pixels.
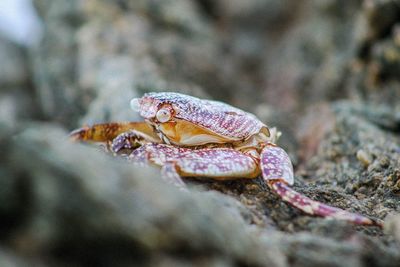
[{"x": 192, "y": 137}]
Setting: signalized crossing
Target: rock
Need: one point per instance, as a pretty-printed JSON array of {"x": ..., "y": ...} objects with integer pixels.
[
  {"x": 9, "y": 259},
  {"x": 364, "y": 157},
  {"x": 110, "y": 60},
  {"x": 71, "y": 204},
  {"x": 15, "y": 84},
  {"x": 54, "y": 62},
  {"x": 337, "y": 163},
  {"x": 392, "y": 226},
  {"x": 376, "y": 67},
  {"x": 107, "y": 211},
  {"x": 14, "y": 70}
]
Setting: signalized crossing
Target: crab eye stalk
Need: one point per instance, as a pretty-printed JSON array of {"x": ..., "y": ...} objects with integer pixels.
[
  {"x": 163, "y": 115},
  {"x": 135, "y": 104}
]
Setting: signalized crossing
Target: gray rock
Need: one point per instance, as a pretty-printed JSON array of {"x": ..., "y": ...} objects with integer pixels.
[
  {"x": 14, "y": 70},
  {"x": 16, "y": 92},
  {"x": 78, "y": 206}
]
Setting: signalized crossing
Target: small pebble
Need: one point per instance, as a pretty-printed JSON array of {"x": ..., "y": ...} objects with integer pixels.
[
  {"x": 364, "y": 157},
  {"x": 392, "y": 226}
]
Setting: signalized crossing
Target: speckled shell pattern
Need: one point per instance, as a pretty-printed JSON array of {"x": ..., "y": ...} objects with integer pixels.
[
  {"x": 171, "y": 176},
  {"x": 217, "y": 117},
  {"x": 210, "y": 162},
  {"x": 276, "y": 164}
]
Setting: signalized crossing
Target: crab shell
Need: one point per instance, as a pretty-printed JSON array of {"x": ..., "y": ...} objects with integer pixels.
[{"x": 196, "y": 121}]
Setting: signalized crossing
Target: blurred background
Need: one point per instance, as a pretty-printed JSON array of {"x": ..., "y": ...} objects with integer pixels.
[{"x": 326, "y": 73}]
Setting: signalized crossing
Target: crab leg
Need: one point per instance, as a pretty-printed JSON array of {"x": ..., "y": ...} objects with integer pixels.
[
  {"x": 141, "y": 155},
  {"x": 106, "y": 132},
  {"x": 277, "y": 171},
  {"x": 215, "y": 163},
  {"x": 170, "y": 175}
]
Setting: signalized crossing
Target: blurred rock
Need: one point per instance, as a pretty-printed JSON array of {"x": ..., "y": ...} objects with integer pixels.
[
  {"x": 318, "y": 121},
  {"x": 16, "y": 91},
  {"x": 55, "y": 61},
  {"x": 312, "y": 56},
  {"x": 376, "y": 67},
  {"x": 111, "y": 52},
  {"x": 9, "y": 259},
  {"x": 75, "y": 205},
  {"x": 392, "y": 226},
  {"x": 14, "y": 70}
]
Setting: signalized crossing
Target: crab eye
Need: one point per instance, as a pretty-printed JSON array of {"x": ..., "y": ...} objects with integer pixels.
[
  {"x": 163, "y": 115},
  {"x": 135, "y": 104}
]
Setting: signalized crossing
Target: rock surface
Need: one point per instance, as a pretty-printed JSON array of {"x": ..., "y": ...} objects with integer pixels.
[{"x": 325, "y": 73}]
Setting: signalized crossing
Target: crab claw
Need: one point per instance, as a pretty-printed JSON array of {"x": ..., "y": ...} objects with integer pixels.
[
  {"x": 120, "y": 142},
  {"x": 128, "y": 140},
  {"x": 277, "y": 171},
  {"x": 78, "y": 134}
]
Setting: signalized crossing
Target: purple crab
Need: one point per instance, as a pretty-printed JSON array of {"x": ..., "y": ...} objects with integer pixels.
[{"x": 191, "y": 137}]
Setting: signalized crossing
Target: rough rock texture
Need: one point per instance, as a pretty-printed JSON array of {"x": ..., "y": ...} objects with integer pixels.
[{"x": 325, "y": 72}]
